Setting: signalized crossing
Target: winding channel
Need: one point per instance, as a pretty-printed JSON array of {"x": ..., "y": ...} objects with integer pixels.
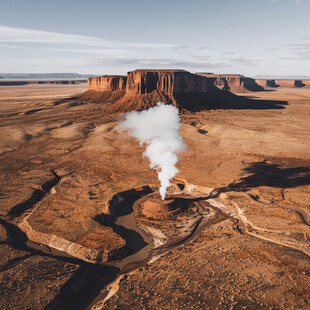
[{"x": 87, "y": 286}]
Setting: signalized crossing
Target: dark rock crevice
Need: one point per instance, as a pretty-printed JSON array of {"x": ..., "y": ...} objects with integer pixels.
[{"x": 35, "y": 197}]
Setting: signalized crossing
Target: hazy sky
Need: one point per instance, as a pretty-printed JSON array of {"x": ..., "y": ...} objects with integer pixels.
[{"x": 251, "y": 37}]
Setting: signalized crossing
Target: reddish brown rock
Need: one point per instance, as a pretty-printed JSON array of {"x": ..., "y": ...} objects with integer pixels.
[
  {"x": 107, "y": 83},
  {"x": 233, "y": 82},
  {"x": 237, "y": 83},
  {"x": 144, "y": 88},
  {"x": 155, "y": 208},
  {"x": 285, "y": 83},
  {"x": 171, "y": 82}
]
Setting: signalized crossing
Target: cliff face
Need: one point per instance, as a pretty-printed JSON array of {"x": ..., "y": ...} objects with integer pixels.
[
  {"x": 107, "y": 83},
  {"x": 171, "y": 82},
  {"x": 233, "y": 82},
  {"x": 139, "y": 82},
  {"x": 240, "y": 83},
  {"x": 285, "y": 83},
  {"x": 144, "y": 88}
]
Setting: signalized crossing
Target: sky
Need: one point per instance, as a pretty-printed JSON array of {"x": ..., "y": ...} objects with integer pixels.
[{"x": 251, "y": 37}]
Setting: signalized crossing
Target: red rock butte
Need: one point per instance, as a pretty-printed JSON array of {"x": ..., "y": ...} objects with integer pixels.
[
  {"x": 240, "y": 83},
  {"x": 146, "y": 81},
  {"x": 142, "y": 89},
  {"x": 143, "y": 81},
  {"x": 107, "y": 83}
]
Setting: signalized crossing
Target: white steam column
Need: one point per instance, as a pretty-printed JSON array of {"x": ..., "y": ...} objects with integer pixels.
[{"x": 158, "y": 128}]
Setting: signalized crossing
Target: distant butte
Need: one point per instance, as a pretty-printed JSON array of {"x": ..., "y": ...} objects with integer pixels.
[
  {"x": 144, "y": 88},
  {"x": 240, "y": 83}
]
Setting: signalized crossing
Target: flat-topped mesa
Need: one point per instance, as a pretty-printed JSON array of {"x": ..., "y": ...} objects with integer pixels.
[
  {"x": 285, "y": 83},
  {"x": 144, "y": 88},
  {"x": 107, "y": 83},
  {"x": 240, "y": 83},
  {"x": 170, "y": 82},
  {"x": 137, "y": 82},
  {"x": 233, "y": 82}
]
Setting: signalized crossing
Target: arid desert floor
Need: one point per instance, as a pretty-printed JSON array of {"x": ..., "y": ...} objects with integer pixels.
[{"x": 76, "y": 233}]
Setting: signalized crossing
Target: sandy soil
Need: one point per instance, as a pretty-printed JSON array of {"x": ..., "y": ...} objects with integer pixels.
[
  {"x": 256, "y": 160},
  {"x": 31, "y": 91}
]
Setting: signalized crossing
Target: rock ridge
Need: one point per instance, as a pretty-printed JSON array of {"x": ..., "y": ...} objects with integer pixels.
[{"x": 240, "y": 83}]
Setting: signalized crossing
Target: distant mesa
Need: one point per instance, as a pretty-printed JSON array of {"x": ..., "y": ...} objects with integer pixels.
[
  {"x": 237, "y": 83},
  {"x": 107, "y": 83},
  {"x": 43, "y": 76},
  {"x": 233, "y": 82},
  {"x": 141, "y": 89},
  {"x": 18, "y": 79},
  {"x": 138, "y": 82},
  {"x": 5, "y": 82},
  {"x": 283, "y": 83}
]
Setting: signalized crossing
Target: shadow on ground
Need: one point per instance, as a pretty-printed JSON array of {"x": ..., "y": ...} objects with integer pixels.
[
  {"x": 216, "y": 99},
  {"x": 224, "y": 100},
  {"x": 264, "y": 173}
]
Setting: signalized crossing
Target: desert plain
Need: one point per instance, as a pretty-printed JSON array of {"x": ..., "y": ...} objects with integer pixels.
[{"x": 80, "y": 222}]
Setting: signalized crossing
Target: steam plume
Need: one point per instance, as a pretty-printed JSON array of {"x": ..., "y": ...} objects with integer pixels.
[{"x": 158, "y": 128}]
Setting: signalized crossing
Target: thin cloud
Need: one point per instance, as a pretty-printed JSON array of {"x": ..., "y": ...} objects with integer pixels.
[
  {"x": 10, "y": 46},
  {"x": 298, "y": 46},
  {"x": 242, "y": 61},
  {"x": 181, "y": 47},
  {"x": 152, "y": 62},
  {"x": 202, "y": 48},
  {"x": 228, "y": 53},
  {"x": 23, "y": 35},
  {"x": 298, "y": 57}
]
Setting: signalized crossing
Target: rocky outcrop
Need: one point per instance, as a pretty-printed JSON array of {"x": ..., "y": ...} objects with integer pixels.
[
  {"x": 284, "y": 83},
  {"x": 71, "y": 232},
  {"x": 159, "y": 210},
  {"x": 107, "y": 83},
  {"x": 233, "y": 82},
  {"x": 171, "y": 82},
  {"x": 144, "y": 88},
  {"x": 55, "y": 242},
  {"x": 74, "y": 248},
  {"x": 187, "y": 91},
  {"x": 238, "y": 83},
  {"x": 138, "y": 82}
]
